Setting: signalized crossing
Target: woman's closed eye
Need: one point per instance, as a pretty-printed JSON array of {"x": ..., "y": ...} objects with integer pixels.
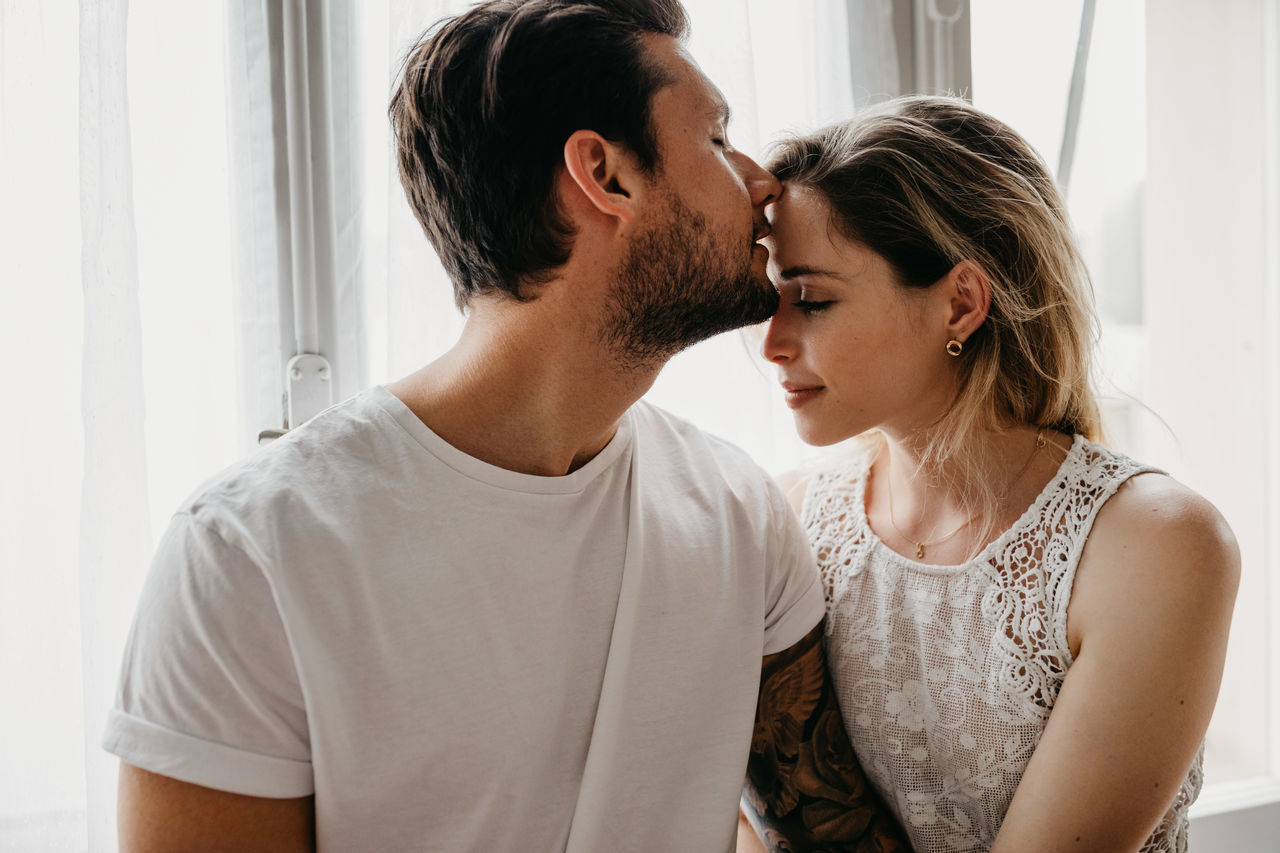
[{"x": 809, "y": 306}]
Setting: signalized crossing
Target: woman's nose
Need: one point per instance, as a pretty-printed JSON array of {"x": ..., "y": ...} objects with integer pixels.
[{"x": 779, "y": 340}]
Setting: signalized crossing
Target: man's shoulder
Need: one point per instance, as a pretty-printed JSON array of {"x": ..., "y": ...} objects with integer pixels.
[
  {"x": 320, "y": 462},
  {"x": 658, "y": 425},
  {"x": 701, "y": 455}
]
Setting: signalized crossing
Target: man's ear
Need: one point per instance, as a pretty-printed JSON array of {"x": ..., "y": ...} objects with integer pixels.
[
  {"x": 969, "y": 299},
  {"x": 606, "y": 175}
]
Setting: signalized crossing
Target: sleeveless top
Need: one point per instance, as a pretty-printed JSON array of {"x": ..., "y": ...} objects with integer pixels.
[{"x": 946, "y": 675}]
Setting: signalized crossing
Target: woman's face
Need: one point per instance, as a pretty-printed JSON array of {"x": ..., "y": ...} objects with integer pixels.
[{"x": 854, "y": 349}]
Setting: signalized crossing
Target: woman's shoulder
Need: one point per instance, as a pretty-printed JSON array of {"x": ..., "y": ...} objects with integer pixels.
[
  {"x": 1152, "y": 510},
  {"x": 1128, "y": 498},
  {"x": 1092, "y": 460},
  {"x": 794, "y": 484},
  {"x": 1157, "y": 546}
]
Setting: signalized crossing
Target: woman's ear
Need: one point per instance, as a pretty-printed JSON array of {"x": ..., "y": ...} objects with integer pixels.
[
  {"x": 603, "y": 174},
  {"x": 969, "y": 299}
]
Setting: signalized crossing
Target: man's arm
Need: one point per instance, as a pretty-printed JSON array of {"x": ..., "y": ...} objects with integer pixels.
[
  {"x": 805, "y": 789},
  {"x": 158, "y": 814}
]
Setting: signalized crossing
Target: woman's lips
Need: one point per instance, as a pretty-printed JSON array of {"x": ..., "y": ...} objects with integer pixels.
[{"x": 797, "y": 395}]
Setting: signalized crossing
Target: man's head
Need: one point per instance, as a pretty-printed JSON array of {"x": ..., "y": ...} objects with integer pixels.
[
  {"x": 488, "y": 118},
  {"x": 692, "y": 267},
  {"x": 481, "y": 115}
]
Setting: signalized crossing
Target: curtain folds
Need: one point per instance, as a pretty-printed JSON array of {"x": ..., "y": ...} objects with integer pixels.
[
  {"x": 298, "y": 196},
  {"x": 115, "y": 318},
  {"x": 114, "y": 529},
  {"x": 874, "y": 57}
]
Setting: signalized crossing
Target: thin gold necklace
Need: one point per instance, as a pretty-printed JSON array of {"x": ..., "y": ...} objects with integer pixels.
[{"x": 920, "y": 546}]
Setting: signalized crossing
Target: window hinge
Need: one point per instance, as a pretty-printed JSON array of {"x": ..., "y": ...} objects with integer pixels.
[{"x": 308, "y": 392}]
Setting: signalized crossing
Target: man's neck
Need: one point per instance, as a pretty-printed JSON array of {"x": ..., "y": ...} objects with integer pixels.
[{"x": 536, "y": 397}]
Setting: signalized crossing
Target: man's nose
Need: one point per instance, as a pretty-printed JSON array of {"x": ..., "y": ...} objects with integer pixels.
[{"x": 761, "y": 183}]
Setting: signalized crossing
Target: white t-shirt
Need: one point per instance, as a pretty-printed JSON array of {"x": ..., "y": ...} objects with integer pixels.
[{"x": 453, "y": 656}]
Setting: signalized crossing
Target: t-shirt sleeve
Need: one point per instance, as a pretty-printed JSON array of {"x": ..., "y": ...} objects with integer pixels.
[
  {"x": 208, "y": 690},
  {"x": 794, "y": 601}
]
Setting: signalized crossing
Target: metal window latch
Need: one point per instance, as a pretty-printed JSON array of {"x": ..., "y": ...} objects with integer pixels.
[{"x": 308, "y": 392}]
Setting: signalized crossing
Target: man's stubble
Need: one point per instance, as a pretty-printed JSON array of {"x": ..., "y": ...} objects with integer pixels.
[{"x": 676, "y": 286}]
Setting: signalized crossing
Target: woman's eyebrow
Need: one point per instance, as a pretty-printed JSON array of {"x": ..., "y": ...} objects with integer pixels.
[{"x": 797, "y": 271}]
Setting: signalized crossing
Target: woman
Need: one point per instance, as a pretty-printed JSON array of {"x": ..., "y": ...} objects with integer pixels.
[{"x": 1025, "y": 627}]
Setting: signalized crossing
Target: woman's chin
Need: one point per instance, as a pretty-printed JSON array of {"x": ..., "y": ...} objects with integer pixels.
[{"x": 817, "y": 434}]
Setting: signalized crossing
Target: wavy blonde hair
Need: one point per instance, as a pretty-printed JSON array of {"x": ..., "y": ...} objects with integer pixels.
[{"x": 928, "y": 182}]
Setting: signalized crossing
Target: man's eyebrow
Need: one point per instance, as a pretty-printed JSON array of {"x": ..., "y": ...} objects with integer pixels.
[
  {"x": 797, "y": 271},
  {"x": 720, "y": 109}
]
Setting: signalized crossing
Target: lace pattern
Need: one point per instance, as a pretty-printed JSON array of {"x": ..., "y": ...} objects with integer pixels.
[{"x": 947, "y": 674}]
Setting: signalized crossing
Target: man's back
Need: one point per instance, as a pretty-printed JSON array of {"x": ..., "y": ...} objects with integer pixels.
[{"x": 451, "y": 655}]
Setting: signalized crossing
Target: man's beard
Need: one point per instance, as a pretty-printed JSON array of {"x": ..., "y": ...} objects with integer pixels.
[{"x": 676, "y": 287}]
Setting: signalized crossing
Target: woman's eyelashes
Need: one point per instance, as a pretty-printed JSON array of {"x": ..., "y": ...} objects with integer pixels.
[
  {"x": 793, "y": 293},
  {"x": 810, "y": 306}
]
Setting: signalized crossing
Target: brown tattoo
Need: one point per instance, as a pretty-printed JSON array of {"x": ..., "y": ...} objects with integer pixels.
[{"x": 805, "y": 789}]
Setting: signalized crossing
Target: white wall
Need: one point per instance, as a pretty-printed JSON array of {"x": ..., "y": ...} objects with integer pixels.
[{"x": 1208, "y": 296}]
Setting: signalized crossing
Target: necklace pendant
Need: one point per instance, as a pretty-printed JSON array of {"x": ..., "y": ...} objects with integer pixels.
[{"x": 919, "y": 551}]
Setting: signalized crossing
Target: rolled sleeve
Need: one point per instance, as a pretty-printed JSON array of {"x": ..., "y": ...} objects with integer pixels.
[{"x": 208, "y": 691}]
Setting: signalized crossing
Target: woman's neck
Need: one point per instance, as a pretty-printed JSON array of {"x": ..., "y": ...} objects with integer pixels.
[{"x": 945, "y": 511}]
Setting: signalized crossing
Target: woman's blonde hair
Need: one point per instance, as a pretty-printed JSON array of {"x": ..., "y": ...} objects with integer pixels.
[{"x": 928, "y": 182}]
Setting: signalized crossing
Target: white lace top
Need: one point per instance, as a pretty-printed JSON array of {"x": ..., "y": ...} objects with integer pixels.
[{"x": 947, "y": 674}]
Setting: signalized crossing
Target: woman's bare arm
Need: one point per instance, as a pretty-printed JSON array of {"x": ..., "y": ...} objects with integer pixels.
[{"x": 1148, "y": 625}]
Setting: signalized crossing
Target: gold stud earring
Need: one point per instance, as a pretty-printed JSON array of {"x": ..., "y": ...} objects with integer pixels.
[{"x": 954, "y": 347}]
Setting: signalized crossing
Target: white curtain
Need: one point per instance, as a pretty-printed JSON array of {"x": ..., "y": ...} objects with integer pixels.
[
  {"x": 298, "y": 191},
  {"x": 143, "y": 323},
  {"x": 42, "y": 748},
  {"x": 116, "y": 329},
  {"x": 114, "y": 534}
]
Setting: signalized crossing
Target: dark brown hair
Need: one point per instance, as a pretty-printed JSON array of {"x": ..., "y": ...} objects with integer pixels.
[{"x": 480, "y": 116}]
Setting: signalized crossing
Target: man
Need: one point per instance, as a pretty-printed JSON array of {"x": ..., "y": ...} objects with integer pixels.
[{"x": 500, "y": 604}]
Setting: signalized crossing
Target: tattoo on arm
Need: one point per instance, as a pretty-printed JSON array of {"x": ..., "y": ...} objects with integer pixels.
[{"x": 805, "y": 789}]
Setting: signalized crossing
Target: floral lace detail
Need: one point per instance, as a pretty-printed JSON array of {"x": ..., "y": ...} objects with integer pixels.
[{"x": 947, "y": 674}]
